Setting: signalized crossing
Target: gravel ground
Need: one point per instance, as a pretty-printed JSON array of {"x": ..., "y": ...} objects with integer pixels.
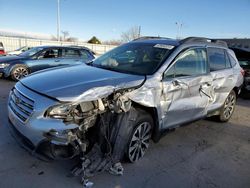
[{"x": 203, "y": 154}]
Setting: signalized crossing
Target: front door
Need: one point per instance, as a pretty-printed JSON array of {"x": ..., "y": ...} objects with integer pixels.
[
  {"x": 48, "y": 58},
  {"x": 187, "y": 88}
]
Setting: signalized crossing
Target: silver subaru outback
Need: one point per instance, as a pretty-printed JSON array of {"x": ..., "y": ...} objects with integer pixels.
[{"x": 110, "y": 108}]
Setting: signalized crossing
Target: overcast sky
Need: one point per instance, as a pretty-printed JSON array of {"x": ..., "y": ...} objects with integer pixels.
[{"x": 107, "y": 19}]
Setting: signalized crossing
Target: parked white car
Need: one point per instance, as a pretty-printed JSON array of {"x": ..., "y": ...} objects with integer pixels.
[{"x": 19, "y": 50}]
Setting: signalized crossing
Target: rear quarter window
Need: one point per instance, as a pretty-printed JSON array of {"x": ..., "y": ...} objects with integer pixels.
[
  {"x": 86, "y": 54},
  {"x": 232, "y": 60}
]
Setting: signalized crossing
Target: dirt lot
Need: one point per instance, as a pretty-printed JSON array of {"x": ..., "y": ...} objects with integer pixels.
[{"x": 203, "y": 154}]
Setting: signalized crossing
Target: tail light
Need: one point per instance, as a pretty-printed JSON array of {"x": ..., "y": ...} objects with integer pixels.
[{"x": 242, "y": 72}]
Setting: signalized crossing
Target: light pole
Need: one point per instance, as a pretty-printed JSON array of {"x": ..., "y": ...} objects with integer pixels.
[
  {"x": 139, "y": 32},
  {"x": 179, "y": 26},
  {"x": 58, "y": 20}
]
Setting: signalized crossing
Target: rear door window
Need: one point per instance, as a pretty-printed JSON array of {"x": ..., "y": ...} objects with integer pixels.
[
  {"x": 71, "y": 53},
  {"x": 217, "y": 60}
]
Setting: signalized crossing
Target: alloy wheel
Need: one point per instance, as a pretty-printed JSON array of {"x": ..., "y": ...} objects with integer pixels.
[
  {"x": 20, "y": 72},
  {"x": 139, "y": 142},
  {"x": 229, "y": 106}
]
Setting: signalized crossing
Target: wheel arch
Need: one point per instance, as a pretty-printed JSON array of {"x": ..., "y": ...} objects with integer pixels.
[
  {"x": 156, "y": 135},
  {"x": 15, "y": 66},
  {"x": 18, "y": 64},
  {"x": 237, "y": 90}
]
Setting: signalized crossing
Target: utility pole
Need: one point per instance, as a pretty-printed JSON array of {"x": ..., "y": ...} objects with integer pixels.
[
  {"x": 139, "y": 32},
  {"x": 179, "y": 27},
  {"x": 58, "y": 20}
]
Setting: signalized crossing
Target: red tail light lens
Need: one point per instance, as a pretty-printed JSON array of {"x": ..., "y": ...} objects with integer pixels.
[{"x": 242, "y": 72}]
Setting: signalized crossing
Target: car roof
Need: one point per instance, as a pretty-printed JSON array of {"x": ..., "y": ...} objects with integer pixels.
[
  {"x": 155, "y": 40},
  {"x": 55, "y": 46},
  {"x": 188, "y": 41}
]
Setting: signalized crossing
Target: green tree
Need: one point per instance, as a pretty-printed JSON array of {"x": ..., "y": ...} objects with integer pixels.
[{"x": 94, "y": 40}]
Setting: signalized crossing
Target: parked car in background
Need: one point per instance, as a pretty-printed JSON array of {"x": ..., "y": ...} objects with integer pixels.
[
  {"x": 19, "y": 50},
  {"x": 110, "y": 108},
  {"x": 43, "y": 57},
  {"x": 2, "y": 52},
  {"x": 243, "y": 56}
]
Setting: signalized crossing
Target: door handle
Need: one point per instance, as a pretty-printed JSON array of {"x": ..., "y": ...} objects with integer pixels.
[
  {"x": 179, "y": 83},
  {"x": 57, "y": 60},
  {"x": 206, "y": 84},
  {"x": 176, "y": 83}
]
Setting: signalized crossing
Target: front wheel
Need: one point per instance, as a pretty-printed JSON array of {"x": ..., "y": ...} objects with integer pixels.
[
  {"x": 140, "y": 137},
  {"x": 228, "y": 107},
  {"x": 19, "y": 72}
]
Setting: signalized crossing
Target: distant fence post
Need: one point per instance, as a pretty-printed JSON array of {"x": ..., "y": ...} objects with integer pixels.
[{"x": 19, "y": 40}]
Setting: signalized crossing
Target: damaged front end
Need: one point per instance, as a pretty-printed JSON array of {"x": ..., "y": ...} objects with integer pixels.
[{"x": 99, "y": 138}]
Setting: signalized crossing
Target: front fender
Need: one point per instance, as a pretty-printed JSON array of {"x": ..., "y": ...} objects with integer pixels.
[{"x": 8, "y": 70}]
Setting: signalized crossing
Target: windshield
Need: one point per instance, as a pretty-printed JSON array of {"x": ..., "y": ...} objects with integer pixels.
[
  {"x": 31, "y": 52},
  {"x": 134, "y": 58}
]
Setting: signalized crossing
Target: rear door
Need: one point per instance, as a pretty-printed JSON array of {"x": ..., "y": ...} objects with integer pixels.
[
  {"x": 70, "y": 56},
  {"x": 222, "y": 73},
  {"x": 187, "y": 86}
]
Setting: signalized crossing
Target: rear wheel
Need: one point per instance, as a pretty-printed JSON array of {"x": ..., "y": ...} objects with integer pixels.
[
  {"x": 19, "y": 72},
  {"x": 228, "y": 107},
  {"x": 140, "y": 137}
]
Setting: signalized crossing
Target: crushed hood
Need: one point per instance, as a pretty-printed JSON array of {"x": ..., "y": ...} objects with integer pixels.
[{"x": 71, "y": 82}]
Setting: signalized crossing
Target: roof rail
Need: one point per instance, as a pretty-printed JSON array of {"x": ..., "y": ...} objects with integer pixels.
[
  {"x": 149, "y": 37},
  {"x": 201, "y": 39}
]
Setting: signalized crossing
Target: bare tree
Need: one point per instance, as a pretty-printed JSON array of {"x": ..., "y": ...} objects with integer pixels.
[
  {"x": 65, "y": 35},
  {"x": 131, "y": 34},
  {"x": 72, "y": 39}
]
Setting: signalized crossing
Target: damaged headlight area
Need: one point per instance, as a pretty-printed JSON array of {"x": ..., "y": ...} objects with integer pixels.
[
  {"x": 61, "y": 111},
  {"x": 83, "y": 113},
  {"x": 97, "y": 138}
]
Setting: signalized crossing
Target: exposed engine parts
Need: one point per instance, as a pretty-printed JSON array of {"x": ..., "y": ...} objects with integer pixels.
[{"x": 98, "y": 140}]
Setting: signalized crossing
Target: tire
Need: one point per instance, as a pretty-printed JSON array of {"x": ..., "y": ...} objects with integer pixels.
[
  {"x": 18, "y": 72},
  {"x": 139, "y": 138},
  {"x": 227, "y": 110}
]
